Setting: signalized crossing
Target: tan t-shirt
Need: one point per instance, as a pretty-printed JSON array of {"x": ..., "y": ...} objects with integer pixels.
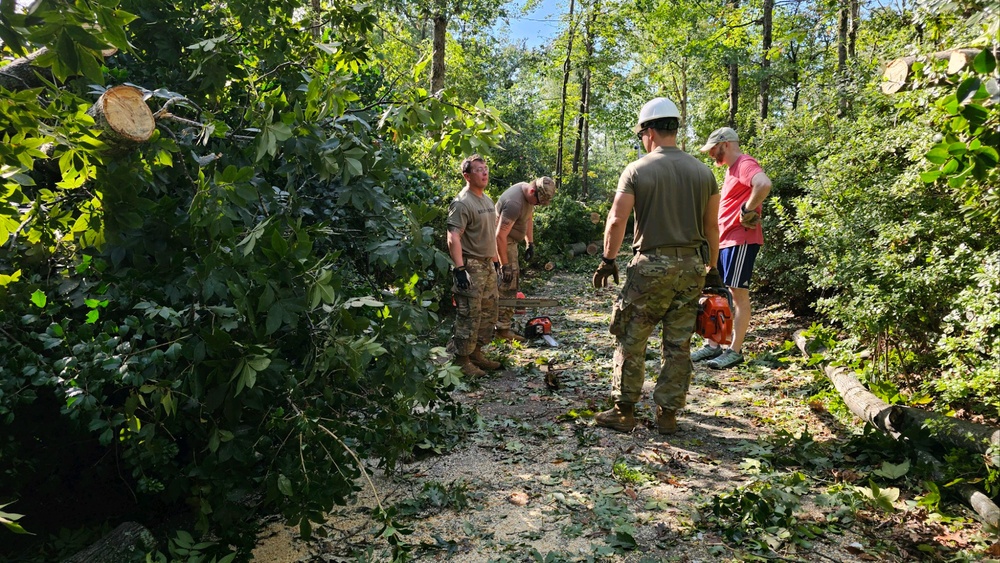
[
  {"x": 476, "y": 217},
  {"x": 671, "y": 190},
  {"x": 512, "y": 207}
]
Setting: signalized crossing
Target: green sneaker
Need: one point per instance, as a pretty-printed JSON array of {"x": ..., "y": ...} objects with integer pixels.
[
  {"x": 706, "y": 352},
  {"x": 726, "y": 360}
]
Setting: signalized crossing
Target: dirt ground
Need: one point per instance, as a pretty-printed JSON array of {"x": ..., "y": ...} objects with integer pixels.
[{"x": 538, "y": 481}]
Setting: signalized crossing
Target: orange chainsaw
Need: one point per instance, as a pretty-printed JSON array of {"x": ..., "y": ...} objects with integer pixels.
[
  {"x": 540, "y": 327},
  {"x": 715, "y": 315}
]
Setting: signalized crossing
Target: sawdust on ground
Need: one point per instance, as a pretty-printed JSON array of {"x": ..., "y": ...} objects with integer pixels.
[{"x": 539, "y": 480}]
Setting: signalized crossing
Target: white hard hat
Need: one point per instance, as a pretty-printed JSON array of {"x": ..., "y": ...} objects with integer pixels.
[{"x": 657, "y": 108}]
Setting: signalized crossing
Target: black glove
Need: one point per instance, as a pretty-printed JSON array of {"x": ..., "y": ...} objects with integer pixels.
[
  {"x": 461, "y": 278},
  {"x": 507, "y": 273},
  {"x": 713, "y": 280},
  {"x": 749, "y": 218},
  {"x": 607, "y": 269},
  {"x": 529, "y": 252}
]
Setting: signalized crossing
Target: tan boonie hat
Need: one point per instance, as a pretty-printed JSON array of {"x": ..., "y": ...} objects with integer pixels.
[
  {"x": 720, "y": 135},
  {"x": 545, "y": 187}
]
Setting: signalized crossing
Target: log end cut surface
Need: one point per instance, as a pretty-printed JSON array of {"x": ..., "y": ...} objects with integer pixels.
[{"x": 127, "y": 114}]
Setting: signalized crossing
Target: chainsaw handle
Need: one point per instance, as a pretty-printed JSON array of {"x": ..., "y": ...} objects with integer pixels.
[{"x": 723, "y": 291}]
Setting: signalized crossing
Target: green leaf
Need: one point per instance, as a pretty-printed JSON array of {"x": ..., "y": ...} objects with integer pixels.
[
  {"x": 967, "y": 89},
  {"x": 39, "y": 299},
  {"x": 976, "y": 114},
  {"x": 937, "y": 155},
  {"x": 985, "y": 62},
  {"x": 951, "y": 166},
  {"x": 890, "y": 471},
  {"x": 957, "y": 149},
  {"x": 930, "y": 177},
  {"x": 285, "y": 485},
  {"x": 988, "y": 156}
]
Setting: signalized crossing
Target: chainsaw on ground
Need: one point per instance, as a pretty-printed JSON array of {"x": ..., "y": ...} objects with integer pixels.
[
  {"x": 540, "y": 327},
  {"x": 715, "y": 315}
]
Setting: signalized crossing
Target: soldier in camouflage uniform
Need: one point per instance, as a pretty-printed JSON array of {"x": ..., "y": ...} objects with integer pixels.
[
  {"x": 472, "y": 247},
  {"x": 676, "y": 201},
  {"x": 515, "y": 223}
]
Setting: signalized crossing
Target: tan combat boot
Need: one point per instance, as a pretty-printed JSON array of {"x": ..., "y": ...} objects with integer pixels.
[
  {"x": 620, "y": 418},
  {"x": 482, "y": 361},
  {"x": 508, "y": 334},
  {"x": 666, "y": 421},
  {"x": 468, "y": 368}
]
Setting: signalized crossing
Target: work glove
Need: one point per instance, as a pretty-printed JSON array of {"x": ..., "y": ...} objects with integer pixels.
[
  {"x": 713, "y": 280},
  {"x": 749, "y": 218},
  {"x": 607, "y": 269},
  {"x": 461, "y": 278},
  {"x": 529, "y": 252},
  {"x": 507, "y": 273}
]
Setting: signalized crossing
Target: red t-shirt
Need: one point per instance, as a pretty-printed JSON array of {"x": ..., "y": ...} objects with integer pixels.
[{"x": 736, "y": 190}]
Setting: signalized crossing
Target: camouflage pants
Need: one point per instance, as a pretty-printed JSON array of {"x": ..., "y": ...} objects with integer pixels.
[
  {"x": 509, "y": 290},
  {"x": 476, "y": 308},
  {"x": 658, "y": 289}
]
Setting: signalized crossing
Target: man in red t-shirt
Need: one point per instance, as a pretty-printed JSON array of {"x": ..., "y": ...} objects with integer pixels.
[{"x": 740, "y": 237}]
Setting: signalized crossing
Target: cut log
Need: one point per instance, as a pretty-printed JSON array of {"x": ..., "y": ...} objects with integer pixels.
[
  {"x": 900, "y": 422},
  {"x": 595, "y": 218},
  {"x": 593, "y": 249},
  {"x": 123, "y": 116},
  {"x": 123, "y": 544},
  {"x": 549, "y": 266},
  {"x": 897, "y": 74},
  {"x": 576, "y": 249},
  {"x": 22, "y": 74}
]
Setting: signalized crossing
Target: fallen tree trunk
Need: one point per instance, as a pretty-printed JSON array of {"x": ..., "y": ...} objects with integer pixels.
[
  {"x": 898, "y": 73},
  {"x": 900, "y": 422},
  {"x": 22, "y": 74},
  {"x": 123, "y": 116},
  {"x": 123, "y": 544}
]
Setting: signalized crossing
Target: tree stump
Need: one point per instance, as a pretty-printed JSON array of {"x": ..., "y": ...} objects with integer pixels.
[{"x": 124, "y": 118}]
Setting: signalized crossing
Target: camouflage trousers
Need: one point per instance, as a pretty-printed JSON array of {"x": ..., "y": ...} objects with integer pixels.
[
  {"x": 475, "y": 308},
  {"x": 658, "y": 289},
  {"x": 505, "y": 315}
]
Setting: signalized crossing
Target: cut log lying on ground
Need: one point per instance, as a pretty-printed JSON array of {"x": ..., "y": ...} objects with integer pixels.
[
  {"x": 578, "y": 248},
  {"x": 122, "y": 114},
  {"x": 124, "y": 543},
  {"x": 900, "y": 422},
  {"x": 897, "y": 74}
]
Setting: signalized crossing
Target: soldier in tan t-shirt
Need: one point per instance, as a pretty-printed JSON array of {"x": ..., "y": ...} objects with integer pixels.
[
  {"x": 515, "y": 223},
  {"x": 676, "y": 201},
  {"x": 472, "y": 247}
]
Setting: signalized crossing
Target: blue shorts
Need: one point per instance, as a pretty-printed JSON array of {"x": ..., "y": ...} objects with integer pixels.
[{"x": 736, "y": 264}]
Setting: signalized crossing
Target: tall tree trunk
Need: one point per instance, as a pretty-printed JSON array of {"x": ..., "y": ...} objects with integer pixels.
[
  {"x": 681, "y": 96},
  {"x": 562, "y": 103},
  {"x": 734, "y": 82},
  {"x": 437, "y": 55},
  {"x": 793, "y": 58},
  {"x": 580, "y": 120},
  {"x": 317, "y": 22},
  {"x": 582, "y": 129},
  {"x": 852, "y": 34},
  {"x": 842, "y": 24},
  {"x": 765, "y": 63}
]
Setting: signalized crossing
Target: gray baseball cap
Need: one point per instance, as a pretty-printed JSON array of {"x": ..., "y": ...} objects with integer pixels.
[{"x": 720, "y": 135}]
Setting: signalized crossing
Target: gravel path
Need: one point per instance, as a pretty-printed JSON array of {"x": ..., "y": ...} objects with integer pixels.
[{"x": 539, "y": 482}]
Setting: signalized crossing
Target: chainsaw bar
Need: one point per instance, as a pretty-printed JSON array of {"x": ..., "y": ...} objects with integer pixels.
[{"x": 528, "y": 302}]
